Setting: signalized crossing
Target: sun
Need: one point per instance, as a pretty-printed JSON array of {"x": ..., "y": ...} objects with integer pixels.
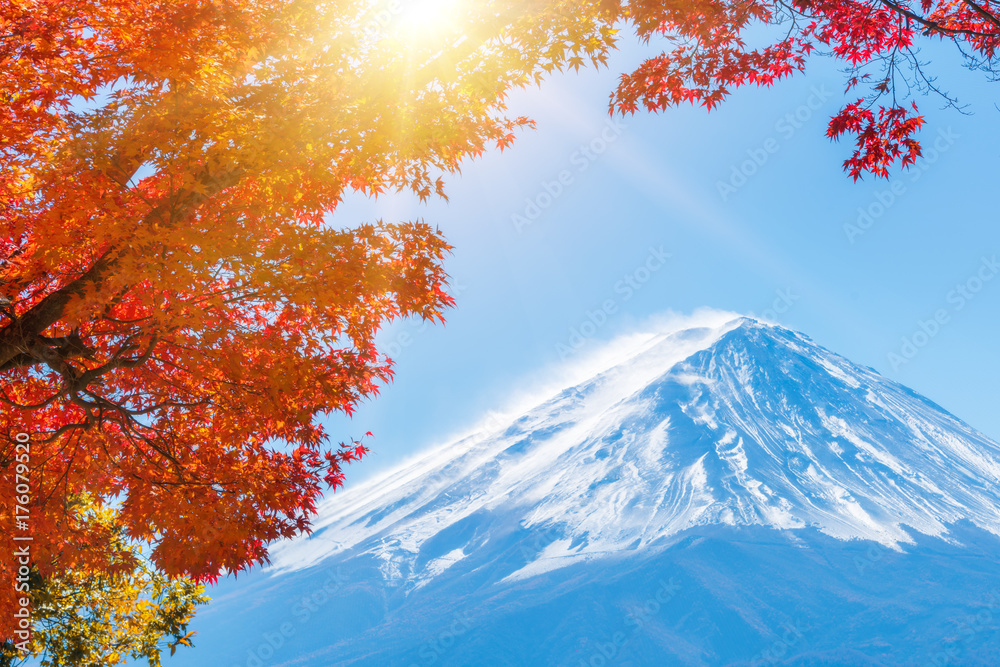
[{"x": 428, "y": 23}]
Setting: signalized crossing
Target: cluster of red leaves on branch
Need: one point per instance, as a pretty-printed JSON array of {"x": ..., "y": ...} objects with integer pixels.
[
  {"x": 709, "y": 57},
  {"x": 882, "y": 138}
]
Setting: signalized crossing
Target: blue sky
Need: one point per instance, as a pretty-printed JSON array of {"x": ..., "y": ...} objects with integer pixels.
[
  {"x": 588, "y": 229},
  {"x": 570, "y": 230}
]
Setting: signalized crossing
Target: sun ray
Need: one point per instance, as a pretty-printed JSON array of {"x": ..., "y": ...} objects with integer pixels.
[{"x": 428, "y": 23}]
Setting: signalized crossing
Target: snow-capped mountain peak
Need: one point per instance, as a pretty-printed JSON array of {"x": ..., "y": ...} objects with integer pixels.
[{"x": 742, "y": 423}]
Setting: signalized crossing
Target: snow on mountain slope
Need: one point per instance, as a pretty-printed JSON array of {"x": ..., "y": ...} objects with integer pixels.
[{"x": 737, "y": 424}]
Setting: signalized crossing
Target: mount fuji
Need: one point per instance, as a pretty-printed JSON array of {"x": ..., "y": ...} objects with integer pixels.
[{"x": 725, "y": 494}]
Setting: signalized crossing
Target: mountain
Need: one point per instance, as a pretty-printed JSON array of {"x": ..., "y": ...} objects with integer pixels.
[{"x": 733, "y": 494}]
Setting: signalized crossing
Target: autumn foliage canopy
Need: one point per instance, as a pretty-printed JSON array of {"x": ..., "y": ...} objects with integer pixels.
[
  {"x": 178, "y": 307},
  {"x": 179, "y": 302},
  {"x": 716, "y": 46}
]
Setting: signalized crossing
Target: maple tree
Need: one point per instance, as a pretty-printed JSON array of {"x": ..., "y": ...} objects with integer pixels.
[
  {"x": 710, "y": 54},
  {"x": 178, "y": 308}
]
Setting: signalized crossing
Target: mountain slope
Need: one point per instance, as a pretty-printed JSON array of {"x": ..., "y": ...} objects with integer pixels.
[
  {"x": 695, "y": 503},
  {"x": 745, "y": 424}
]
